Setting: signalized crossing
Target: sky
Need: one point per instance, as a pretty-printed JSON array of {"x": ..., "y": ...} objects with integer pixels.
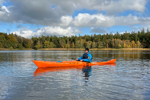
[{"x": 29, "y": 18}]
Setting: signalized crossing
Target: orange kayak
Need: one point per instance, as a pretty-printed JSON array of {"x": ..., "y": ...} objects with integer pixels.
[
  {"x": 39, "y": 71},
  {"x": 42, "y": 64}
]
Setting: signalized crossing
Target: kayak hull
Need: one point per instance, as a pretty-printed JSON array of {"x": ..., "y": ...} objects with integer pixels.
[{"x": 53, "y": 64}]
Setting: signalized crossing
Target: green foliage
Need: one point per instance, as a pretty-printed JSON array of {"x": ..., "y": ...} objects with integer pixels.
[
  {"x": 100, "y": 44},
  {"x": 2, "y": 38},
  {"x": 7, "y": 44},
  {"x": 125, "y": 40},
  {"x": 119, "y": 46},
  {"x": 11, "y": 48},
  {"x": 62, "y": 43},
  {"x": 11, "y": 38},
  {"x": 72, "y": 45},
  {"x": 77, "y": 44},
  {"x": 80, "y": 43},
  {"x": 89, "y": 43},
  {"x": 52, "y": 45},
  {"x": 20, "y": 46},
  {"x": 35, "y": 40},
  {"x": 38, "y": 45},
  {"x": 46, "y": 44},
  {"x": 0, "y": 45},
  {"x": 27, "y": 43}
]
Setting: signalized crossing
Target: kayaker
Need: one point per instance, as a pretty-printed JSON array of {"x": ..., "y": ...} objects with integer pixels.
[{"x": 86, "y": 57}]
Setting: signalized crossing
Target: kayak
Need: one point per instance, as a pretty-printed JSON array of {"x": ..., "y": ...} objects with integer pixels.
[
  {"x": 73, "y": 63},
  {"x": 39, "y": 71}
]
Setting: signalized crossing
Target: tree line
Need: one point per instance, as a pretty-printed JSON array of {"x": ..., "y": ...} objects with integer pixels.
[{"x": 140, "y": 39}]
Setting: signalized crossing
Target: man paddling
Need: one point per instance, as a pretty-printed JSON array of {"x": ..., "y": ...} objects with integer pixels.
[{"x": 86, "y": 57}]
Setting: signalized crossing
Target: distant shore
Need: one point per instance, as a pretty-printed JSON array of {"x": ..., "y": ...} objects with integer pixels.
[
  {"x": 74, "y": 49},
  {"x": 95, "y": 49},
  {"x": 16, "y": 49}
]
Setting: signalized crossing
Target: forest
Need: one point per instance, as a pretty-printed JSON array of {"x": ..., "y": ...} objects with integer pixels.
[{"x": 140, "y": 39}]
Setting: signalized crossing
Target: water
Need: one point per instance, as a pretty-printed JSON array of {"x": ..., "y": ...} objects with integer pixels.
[{"x": 128, "y": 79}]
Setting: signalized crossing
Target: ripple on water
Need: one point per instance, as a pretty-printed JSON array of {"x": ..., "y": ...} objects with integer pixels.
[{"x": 129, "y": 79}]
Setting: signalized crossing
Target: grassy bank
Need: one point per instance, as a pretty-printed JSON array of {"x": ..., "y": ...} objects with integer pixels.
[
  {"x": 95, "y": 49},
  {"x": 16, "y": 49},
  {"x": 64, "y": 49}
]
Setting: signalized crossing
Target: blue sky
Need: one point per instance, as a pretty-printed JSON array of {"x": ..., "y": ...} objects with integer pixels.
[{"x": 66, "y": 18}]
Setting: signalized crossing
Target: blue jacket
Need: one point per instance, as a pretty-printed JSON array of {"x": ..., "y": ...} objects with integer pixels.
[{"x": 88, "y": 59}]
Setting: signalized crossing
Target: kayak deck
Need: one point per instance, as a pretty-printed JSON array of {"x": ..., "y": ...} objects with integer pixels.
[{"x": 42, "y": 64}]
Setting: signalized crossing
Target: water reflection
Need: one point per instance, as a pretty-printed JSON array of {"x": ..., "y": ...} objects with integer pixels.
[
  {"x": 87, "y": 73},
  {"x": 41, "y": 71}
]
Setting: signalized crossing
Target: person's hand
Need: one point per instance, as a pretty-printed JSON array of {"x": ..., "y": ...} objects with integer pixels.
[
  {"x": 77, "y": 59},
  {"x": 81, "y": 60}
]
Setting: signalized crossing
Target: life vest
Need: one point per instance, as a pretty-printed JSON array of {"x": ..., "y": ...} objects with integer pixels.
[{"x": 85, "y": 56}]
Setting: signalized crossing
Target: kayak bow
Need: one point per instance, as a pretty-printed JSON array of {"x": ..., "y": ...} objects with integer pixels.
[{"x": 52, "y": 64}]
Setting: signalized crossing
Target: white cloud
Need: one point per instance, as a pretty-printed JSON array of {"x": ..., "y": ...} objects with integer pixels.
[
  {"x": 4, "y": 13},
  {"x": 87, "y": 20},
  {"x": 66, "y": 20},
  {"x": 77, "y": 31},
  {"x": 99, "y": 20},
  {"x": 58, "y": 31},
  {"x": 43, "y": 12},
  {"x": 84, "y": 20},
  {"x": 112, "y": 6},
  {"x": 24, "y": 33},
  {"x": 5, "y": 9}
]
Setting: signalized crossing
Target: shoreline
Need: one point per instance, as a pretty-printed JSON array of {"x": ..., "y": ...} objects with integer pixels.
[
  {"x": 78, "y": 49},
  {"x": 15, "y": 49},
  {"x": 94, "y": 49}
]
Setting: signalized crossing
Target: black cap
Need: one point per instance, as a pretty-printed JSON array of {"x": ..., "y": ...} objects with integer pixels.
[{"x": 87, "y": 49}]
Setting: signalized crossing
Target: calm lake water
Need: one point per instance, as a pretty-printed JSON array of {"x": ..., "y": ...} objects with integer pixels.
[{"x": 128, "y": 79}]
